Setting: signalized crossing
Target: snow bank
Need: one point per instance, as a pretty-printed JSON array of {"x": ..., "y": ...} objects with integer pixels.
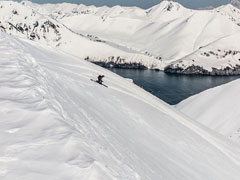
[{"x": 217, "y": 109}]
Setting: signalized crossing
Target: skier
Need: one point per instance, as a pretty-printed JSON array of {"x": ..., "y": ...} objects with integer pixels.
[{"x": 100, "y": 77}]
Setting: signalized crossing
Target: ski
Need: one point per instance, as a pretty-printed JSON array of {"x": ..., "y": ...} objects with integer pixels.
[{"x": 99, "y": 83}]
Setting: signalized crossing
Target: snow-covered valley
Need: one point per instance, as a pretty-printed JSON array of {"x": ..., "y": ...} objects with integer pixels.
[{"x": 57, "y": 124}]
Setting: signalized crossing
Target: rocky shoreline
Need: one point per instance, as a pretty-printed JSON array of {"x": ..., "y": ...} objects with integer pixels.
[
  {"x": 197, "y": 70},
  {"x": 121, "y": 65},
  {"x": 191, "y": 70}
]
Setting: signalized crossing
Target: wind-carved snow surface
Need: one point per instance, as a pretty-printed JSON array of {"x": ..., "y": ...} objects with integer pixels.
[
  {"x": 217, "y": 109},
  {"x": 57, "y": 124}
]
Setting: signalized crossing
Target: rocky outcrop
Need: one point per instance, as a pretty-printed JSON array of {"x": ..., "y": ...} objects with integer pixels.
[
  {"x": 116, "y": 62},
  {"x": 122, "y": 65},
  {"x": 197, "y": 70}
]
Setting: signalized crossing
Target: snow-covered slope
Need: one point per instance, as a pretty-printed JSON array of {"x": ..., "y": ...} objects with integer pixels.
[
  {"x": 167, "y": 31},
  {"x": 57, "y": 124},
  {"x": 18, "y": 19},
  {"x": 221, "y": 57},
  {"x": 217, "y": 108},
  {"x": 229, "y": 11}
]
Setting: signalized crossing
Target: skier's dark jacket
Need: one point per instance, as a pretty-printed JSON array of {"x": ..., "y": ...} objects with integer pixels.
[{"x": 100, "y": 77}]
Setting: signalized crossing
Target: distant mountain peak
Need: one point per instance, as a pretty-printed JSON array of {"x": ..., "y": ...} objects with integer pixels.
[
  {"x": 167, "y": 5},
  {"x": 235, "y": 3}
]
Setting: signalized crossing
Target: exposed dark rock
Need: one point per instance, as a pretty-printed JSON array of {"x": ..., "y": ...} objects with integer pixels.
[
  {"x": 49, "y": 23},
  {"x": 122, "y": 65},
  {"x": 35, "y": 24},
  {"x": 20, "y": 28},
  {"x": 32, "y": 36},
  {"x": 2, "y": 28},
  {"x": 169, "y": 7},
  {"x": 15, "y": 12},
  {"x": 12, "y": 27},
  {"x": 201, "y": 71},
  {"x": 94, "y": 38},
  {"x": 116, "y": 62},
  {"x": 221, "y": 53}
]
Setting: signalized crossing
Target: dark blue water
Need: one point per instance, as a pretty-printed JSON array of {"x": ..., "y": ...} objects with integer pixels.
[{"x": 172, "y": 88}]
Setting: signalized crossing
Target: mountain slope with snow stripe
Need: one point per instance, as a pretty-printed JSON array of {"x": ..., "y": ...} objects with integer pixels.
[
  {"x": 217, "y": 109},
  {"x": 57, "y": 124}
]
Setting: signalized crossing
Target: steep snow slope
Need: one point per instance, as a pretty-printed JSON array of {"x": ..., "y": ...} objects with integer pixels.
[
  {"x": 17, "y": 19},
  {"x": 57, "y": 124},
  {"x": 216, "y": 108},
  {"x": 167, "y": 31}
]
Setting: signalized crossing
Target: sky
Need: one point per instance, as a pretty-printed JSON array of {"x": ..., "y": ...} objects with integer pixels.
[{"x": 195, "y": 4}]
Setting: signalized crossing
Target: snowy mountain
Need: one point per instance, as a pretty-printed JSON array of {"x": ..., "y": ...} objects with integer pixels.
[
  {"x": 236, "y": 3},
  {"x": 167, "y": 36},
  {"x": 167, "y": 31},
  {"x": 217, "y": 109},
  {"x": 229, "y": 11},
  {"x": 218, "y": 58},
  {"x": 20, "y": 20},
  {"x": 57, "y": 124}
]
